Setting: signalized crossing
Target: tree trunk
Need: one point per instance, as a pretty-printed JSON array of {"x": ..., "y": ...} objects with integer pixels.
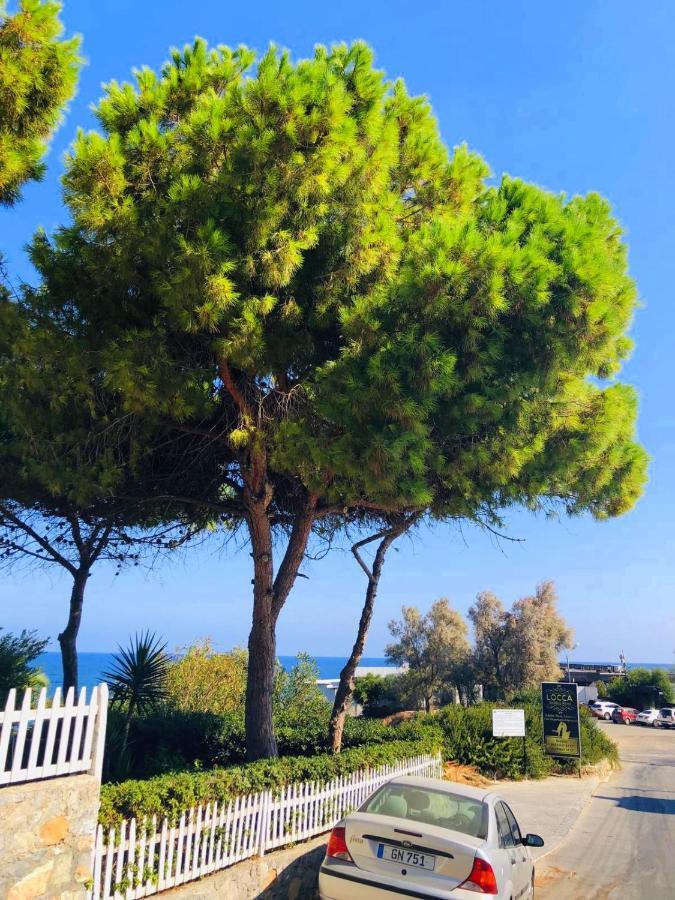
[
  {"x": 260, "y": 740},
  {"x": 345, "y": 689},
  {"x": 68, "y": 637},
  {"x": 269, "y": 596}
]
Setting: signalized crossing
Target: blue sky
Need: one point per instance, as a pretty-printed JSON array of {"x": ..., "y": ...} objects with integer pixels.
[{"x": 575, "y": 96}]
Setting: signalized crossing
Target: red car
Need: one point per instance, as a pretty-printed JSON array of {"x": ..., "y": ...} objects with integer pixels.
[{"x": 625, "y": 715}]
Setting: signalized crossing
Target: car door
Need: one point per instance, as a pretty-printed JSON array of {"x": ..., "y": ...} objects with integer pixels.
[
  {"x": 507, "y": 845},
  {"x": 524, "y": 864}
]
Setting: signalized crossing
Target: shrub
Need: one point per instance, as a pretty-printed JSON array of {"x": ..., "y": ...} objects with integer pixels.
[
  {"x": 201, "y": 680},
  {"x": 467, "y": 739},
  {"x": 173, "y": 740},
  {"x": 641, "y": 688},
  {"x": 168, "y": 795},
  {"x": 17, "y": 653}
]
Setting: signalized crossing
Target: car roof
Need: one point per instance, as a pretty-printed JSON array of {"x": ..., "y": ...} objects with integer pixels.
[{"x": 449, "y": 787}]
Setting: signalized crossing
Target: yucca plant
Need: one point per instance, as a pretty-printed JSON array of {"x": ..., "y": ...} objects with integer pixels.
[{"x": 137, "y": 679}]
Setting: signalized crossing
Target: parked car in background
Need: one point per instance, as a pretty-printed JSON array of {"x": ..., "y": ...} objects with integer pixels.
[
  {"x": 646, "y": 717},
  {"x": 423, "y": 837},
  {"x": 625, "y": 715},
  {"x": 665, "y": 718},
  {"x": 603, "y": 709}
]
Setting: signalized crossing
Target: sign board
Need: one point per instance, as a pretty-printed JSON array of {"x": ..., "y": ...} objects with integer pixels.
[
  {"x": 508, "y": 723},
  {"x": 560, "y": 711}
]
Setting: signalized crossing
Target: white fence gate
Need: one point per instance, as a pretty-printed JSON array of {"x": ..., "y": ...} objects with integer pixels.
[
  {"x": 142, "y": 859},
  {"x": 52, "y": 737}
]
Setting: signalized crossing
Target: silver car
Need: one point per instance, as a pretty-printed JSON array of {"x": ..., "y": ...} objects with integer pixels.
[
  {"x": 665, "y": 718},
  {"x": 646, "y": 717},
  {"x": 427, "y": 838}
]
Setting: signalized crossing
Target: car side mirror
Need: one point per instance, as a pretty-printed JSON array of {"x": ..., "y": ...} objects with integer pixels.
[{"x": 533, "y": 840}]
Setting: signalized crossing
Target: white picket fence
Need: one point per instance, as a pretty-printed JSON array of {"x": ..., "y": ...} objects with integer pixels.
[
  {"x": 54, "y": 737},
  {"x": 139, "y": 860}
]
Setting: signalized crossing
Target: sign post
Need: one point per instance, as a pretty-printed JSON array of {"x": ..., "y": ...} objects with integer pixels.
[
  {"x": 560, "y": 711},
  {"x": 510, "y": 723}
]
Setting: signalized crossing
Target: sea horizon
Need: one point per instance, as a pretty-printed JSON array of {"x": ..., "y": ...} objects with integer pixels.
[{"x": 93, "y": 664}]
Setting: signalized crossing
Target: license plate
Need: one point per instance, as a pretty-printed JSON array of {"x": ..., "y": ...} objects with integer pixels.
[{"x": 406, "y": 857}]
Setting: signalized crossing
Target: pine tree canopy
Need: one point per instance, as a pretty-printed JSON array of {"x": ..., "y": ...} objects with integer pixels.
[
  {"x": 38, "y": 76},
  {"x": 285, "y": 258}
]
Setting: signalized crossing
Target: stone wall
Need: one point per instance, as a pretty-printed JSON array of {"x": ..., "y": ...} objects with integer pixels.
[
  {"x": 46, "y": 838},
  {"x": 289, "y": 874}
]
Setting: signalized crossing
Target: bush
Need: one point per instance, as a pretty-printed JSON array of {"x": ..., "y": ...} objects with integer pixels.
[
  {"x": 168, "y": 795},
  {"x": 641, "y": 688},
  {"x": 17, "y": 653},
  {"x": 173, "y": 740},
  {"x": 467, "y": 739},
  {"x": 201, "y": 680}
]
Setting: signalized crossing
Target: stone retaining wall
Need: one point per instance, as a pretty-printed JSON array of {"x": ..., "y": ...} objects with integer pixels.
[
  {"x": 288, "y": 874},
  {"x": 46, "y": 838}
]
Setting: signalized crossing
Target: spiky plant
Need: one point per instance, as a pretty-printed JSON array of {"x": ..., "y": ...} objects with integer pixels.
[{"x": 137, "y": 679}]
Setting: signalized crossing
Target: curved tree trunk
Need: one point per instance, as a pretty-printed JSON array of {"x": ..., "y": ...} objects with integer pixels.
[
  {"x": 68, "y": 637},
  {"x": 345, "y": 689}
]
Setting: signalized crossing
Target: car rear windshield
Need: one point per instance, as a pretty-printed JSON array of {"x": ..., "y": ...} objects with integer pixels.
[{"x": 421, "y": 804}]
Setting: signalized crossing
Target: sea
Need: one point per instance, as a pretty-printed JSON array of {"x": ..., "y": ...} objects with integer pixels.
[{"x": 92, "y": 666}]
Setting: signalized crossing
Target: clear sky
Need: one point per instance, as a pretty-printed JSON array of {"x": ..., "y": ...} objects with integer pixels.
[{"x": 576, "y": 96}]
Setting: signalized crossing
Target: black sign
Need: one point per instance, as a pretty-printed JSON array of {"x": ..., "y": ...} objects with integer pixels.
[{"x": 561, "y": 719}]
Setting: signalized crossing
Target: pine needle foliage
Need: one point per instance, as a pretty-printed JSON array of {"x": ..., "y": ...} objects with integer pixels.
[
  {"x": 283, "y": 276},
  {"x": 38, "y": 76}
]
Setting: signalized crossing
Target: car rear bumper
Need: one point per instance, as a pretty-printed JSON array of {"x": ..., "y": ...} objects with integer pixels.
[{"x": 347, "y": 882}]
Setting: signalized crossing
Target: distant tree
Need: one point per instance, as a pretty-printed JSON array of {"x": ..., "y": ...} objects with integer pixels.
[
  {"x": 536, "y": 633},
  {"x": 516, "y": 650},
  {"x": 282, "y": 263},
  {"x": 56, "y": 532},
  {"x": 488, "y": 619},
  {"x": 18, "y": 654},
  {"x": 202, "y": 680},
  {"x": 642, "y": 688},
  {"x": 431, "y": 645},
  {"x": 38, "y": 76}
]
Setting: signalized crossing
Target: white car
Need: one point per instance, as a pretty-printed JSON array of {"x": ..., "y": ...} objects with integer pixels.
[
  {"x": 427, "y": 838},
  {"x": 665, "y": 718},
  {"x": 603, "y": 709},
  {"x": 646, "y": 717}
]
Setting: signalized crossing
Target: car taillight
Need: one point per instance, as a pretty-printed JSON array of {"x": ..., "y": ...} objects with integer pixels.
[
  {"x": 337, "y": 845},
  {"x": 482, "y": 878}
]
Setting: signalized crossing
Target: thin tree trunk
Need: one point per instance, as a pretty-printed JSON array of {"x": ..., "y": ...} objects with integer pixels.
[
  {"x": 68, "y": 637},
  {"x": 345, "y": 689}
]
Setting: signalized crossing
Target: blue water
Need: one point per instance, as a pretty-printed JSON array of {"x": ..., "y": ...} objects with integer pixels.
[{"x": 93, "y": 665}]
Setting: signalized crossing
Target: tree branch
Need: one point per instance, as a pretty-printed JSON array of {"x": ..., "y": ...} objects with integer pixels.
[
  {"x": 233, "y": 390},
  {"x": 46, "y": 546},
  {"x": 295, "y": 551}
]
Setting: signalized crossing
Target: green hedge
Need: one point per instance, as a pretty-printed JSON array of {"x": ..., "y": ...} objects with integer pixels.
[
  {"x": 172, "y": 740},
  {"x": 168, "y": 795},
  {"x": 467, "y": 739}
]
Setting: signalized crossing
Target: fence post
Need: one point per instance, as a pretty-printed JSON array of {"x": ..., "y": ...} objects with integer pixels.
[
  {"x": 264, "y": 821},
  {"x": 98, "y": 744}
]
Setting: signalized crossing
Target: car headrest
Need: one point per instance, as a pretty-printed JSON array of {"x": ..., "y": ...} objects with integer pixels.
[
  {"x": 416, "y": 799},
  {"x": 394, "y": 805}
]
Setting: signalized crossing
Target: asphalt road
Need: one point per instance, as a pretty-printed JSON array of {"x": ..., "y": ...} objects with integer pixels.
[{"x": 623, "y": 844}]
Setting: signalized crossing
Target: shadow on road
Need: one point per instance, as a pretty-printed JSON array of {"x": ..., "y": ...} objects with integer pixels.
[{"x": 641, "y": 803}]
